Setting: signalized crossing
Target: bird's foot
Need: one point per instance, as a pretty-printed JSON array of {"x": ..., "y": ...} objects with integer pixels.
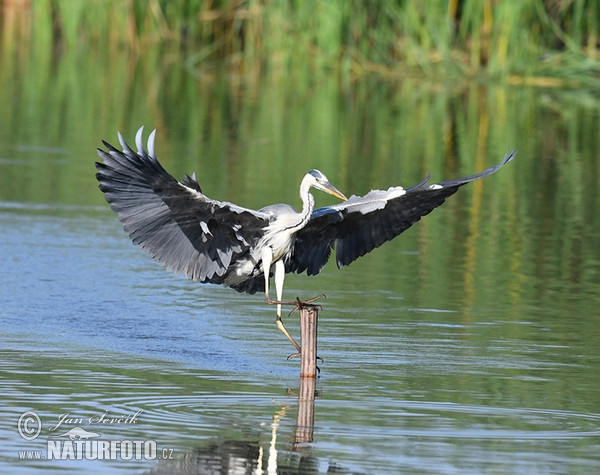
[
  {"x": 271, "y": 301},
  {"x": 296, "y": 355},
  {"x": 299, "y": 304}
]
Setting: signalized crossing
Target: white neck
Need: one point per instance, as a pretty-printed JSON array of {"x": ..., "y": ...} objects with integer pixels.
[{"x": 308, "y": 200}]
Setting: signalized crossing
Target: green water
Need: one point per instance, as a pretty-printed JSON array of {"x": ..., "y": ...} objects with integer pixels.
[{"x": 467, "y": 345}]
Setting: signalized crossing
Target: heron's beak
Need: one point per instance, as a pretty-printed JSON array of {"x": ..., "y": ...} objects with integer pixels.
[{"x": 332, "y": 190}]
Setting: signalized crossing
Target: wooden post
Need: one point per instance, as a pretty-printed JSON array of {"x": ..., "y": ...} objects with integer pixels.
[
  {"x": 309, "y": 318},
  {"x": 308, "y": 373}
]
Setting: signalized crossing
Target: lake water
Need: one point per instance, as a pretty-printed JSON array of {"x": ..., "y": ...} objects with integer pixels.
[{"x": 467, "y": 345}]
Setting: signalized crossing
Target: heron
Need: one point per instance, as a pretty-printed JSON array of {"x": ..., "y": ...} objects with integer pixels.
[{"x": 218, "y": 242}]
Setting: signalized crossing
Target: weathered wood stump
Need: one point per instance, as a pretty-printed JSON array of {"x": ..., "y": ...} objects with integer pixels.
[
  {"x": 309, "y": 318},
  {"x": 308, "y": 373}
]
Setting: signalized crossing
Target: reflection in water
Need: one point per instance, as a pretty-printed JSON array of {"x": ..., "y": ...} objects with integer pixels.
[
  {"x": 250, "y": 457},
  {"x": 241, "y": 458},
  {"x": 305, "y": 421},
  {"x": 228, "y": 457}
]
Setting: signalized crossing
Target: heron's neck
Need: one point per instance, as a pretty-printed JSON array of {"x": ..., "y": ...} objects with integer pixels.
[{"x": 308, "y": 202}]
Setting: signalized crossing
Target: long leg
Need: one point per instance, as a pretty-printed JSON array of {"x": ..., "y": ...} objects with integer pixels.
[
  {"x": 267, "y": 259},
  {"x": 279, "y": 277}
]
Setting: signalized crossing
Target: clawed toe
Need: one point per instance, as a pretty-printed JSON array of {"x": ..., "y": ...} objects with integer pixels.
[
  {"x": 304, "y": 303},
  {"x": 298, "y": 305},
  {"x": 296, "y": 355}
]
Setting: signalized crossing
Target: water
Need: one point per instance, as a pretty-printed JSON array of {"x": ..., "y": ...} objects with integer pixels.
[
  {"x": 467, "y": 345},
  {"x": 90, "y": 325}
]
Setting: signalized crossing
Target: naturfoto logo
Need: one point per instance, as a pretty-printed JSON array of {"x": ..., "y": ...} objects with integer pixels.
[{"x": 67, "y": 440}]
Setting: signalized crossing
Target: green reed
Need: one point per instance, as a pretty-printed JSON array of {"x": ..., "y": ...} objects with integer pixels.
[{"x": 523, "y": 40}]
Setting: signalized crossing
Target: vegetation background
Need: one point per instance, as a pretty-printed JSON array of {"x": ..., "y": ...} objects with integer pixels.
[{"x": 542, "y": 42}]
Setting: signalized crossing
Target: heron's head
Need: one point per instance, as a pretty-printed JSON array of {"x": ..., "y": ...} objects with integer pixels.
[{"x": 319, "y": 181}]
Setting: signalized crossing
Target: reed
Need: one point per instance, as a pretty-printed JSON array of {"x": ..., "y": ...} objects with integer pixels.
[{"x": 521, "y": 40}]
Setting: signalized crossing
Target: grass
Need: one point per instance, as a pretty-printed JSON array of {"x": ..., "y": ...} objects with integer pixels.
[{"x": 541, "y": 42}]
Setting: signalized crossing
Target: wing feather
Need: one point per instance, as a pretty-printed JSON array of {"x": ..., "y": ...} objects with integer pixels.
[
  {"x": 362, "y": 223},
  {"x": 174, "y": 222}
]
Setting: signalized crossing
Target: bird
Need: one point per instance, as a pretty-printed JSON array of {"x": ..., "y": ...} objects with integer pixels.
[{"x": 218, "y": 242}]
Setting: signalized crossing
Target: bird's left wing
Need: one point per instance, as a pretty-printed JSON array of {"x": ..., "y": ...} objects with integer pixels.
[
  {"x": 362, "y": 223},
  {"x": 174, "y": 221}
]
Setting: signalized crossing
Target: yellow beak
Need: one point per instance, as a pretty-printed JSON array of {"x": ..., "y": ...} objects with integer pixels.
[{"x": 332, "y": 190}]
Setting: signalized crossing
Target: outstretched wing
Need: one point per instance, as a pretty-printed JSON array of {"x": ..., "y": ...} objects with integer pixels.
[
  {"x": 362, "y": 223},
  {"x": 173, "y": 221}
]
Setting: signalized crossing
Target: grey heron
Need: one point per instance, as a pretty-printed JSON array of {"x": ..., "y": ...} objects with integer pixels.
[{"x": 221, "y": 243}]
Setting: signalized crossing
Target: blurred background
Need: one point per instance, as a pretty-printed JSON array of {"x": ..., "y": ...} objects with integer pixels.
[
  {"x": 251, "y": 89},
  {"x": 251, "y": 94},
  {"x": 490, "y": 303}
]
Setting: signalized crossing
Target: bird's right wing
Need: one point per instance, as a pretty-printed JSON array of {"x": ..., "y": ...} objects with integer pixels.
[
  {"x": 174, "y": 222},
  {"x": 362, "y": 223}
]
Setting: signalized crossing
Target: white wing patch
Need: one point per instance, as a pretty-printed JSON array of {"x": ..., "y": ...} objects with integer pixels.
[
  {"x": 204, "y": 228},
  {"x": 395, "y": 192},
  {"x": 373, "y": 200}
]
